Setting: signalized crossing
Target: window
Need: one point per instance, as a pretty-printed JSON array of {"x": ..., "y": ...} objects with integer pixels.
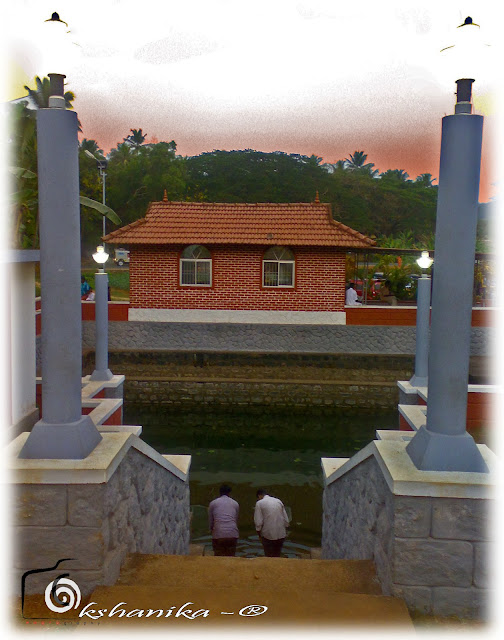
[
  {"x": 278, "y": 267},
  {"x": 196, "y": 266}
]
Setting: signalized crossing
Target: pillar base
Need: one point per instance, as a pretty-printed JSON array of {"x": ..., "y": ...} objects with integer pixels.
[
  {"x": 419, "y": 381},
  {"x": 431, "y": 451},
  {"x": 101, "y": 375},
  {"x": 71, "y": 441}
]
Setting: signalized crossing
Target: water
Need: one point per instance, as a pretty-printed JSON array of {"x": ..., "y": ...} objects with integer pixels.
[{"x": 276, "y": 451}]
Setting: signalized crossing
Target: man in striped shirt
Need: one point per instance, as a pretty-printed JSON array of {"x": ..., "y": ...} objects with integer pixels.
[{"x": 223, "y": 519}]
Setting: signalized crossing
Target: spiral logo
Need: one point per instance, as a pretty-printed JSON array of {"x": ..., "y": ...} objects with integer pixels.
[{"x": 65, "y": 593}]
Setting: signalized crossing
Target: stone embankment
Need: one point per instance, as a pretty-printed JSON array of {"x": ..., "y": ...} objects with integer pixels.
[{"x": 320, "y": 382}]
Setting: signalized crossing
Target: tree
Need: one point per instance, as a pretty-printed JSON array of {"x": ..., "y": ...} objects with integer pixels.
[
  {"x": 357, "y": 162},
  {"x": 41, "y": 94},
  {"x": 135, "y": 179},
  {"x": 91, "y": 146},
  {"x": 255, "y": 176},
  {"x": 135, "y": 139},
  {"x": 23, "y": 169},
  {"x": 395, "y": 175},
  {"x": 425, "y": 180},
  {"x": 121, "y": 154},
  {"x": 24, "y": 185}
]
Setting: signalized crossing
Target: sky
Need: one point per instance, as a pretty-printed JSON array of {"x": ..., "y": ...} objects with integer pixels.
[{"x": 319, "y": 77}]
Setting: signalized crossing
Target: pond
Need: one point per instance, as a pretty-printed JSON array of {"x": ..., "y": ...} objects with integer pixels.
[{"x": 250, "y": 449}]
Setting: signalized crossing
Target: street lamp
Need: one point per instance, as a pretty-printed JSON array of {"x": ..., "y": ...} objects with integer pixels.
[
  {"x": 420, "y": 377},
  {"x": 101, "y": 163},
  {"x": 63, "y": 432},
  {"x": 443, "y": 444},
  {"x": 101, "y": 372}
]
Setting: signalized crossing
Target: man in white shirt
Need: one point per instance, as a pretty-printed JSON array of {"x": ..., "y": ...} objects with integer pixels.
[
  {"x": 351, "y": 298},
  {"x": 270, "y": 519}
]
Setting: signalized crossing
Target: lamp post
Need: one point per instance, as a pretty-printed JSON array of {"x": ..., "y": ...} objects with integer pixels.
[
  {"x": 101, "y": 372},
  {"x": 444, "y": 444},
  {"x": 420, "y": 377},
  {"x": 63, "y": 432},
  {"x": 101, "y": 163}
]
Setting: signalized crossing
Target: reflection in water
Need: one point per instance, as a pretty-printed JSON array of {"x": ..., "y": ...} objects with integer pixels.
[{"x": 277, "y": 451}]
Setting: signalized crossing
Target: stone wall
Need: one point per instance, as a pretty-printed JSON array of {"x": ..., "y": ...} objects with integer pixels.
[
  {"x": 270, "y": 337},
  {"x": 184, "y": 379},
  {"x": 430, "y": 551},
  {"x": 142, "y": 508},
  {"x": 272, "y": 395}
]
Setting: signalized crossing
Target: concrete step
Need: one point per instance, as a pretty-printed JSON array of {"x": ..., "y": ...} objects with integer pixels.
[
  {"x": 253, "y": 574},
  {"x": 228, "y": 607}
]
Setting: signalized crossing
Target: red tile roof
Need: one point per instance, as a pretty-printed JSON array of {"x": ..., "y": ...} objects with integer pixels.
[{"x": 294, "y": 224}]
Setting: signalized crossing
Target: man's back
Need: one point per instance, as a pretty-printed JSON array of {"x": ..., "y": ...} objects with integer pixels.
[
  {"x": 223, "y": 517},
  {"x": 270, "y": 518}
]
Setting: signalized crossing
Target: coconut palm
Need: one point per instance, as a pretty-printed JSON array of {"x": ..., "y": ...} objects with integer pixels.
[
  {"x": 425, "y": 180},
  {"x": 136, "y": 138},
  {"x": 357, "y": 162},
  {"x": 40, "y": 95},
  {"x": 397, "y": 175},
  {"x": 121, "y": 154},
  {"x": 91, "y": 146}
]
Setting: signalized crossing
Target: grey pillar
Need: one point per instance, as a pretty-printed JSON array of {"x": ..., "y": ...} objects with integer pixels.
[
  {"x": 444, "y": 444},
  {"x": 63, "y": 432},
  {"x": 420, "y": 377},
  {"x": 101, "y": 372}
]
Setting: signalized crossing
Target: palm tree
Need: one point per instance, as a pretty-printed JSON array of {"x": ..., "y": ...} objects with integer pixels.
[
  {"x": 40, "y": 95},
  {"x": 121, "y": 154},
  {"x": 425, "y": 180},
  {"x": 91, "y": 146},
  {"x": 136, "y": 138},
  {"x": 357, "y": 162},
  {"x": 396, "y": 175}
]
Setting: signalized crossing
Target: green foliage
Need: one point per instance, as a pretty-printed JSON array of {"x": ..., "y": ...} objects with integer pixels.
[
  {"x": 395, "y": 176},
  {"x": 357, "y": 162},
  {"x": 136, "y": 178},
  {"x": 23, "y": 219},
  {"x": 41, "y": 94},
  {"x": 399, "y": 271},
  {"x": 254, "y": 176}
]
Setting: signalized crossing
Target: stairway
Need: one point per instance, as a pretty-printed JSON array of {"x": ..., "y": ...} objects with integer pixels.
[{"x": 296, "y": 592}]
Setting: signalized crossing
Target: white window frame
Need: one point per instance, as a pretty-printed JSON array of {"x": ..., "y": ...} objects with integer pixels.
[
  {"x": 280, "y": 251},
  {"x": 195, "y": 260}
]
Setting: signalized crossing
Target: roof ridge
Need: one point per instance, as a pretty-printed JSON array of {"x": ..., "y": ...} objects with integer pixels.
[
  {"x": 240, "y": 204},
  {"x": 351, "y": 231}
]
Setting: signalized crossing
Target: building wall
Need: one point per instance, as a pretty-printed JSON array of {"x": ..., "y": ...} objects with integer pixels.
[{"x": 237, "y": 280}]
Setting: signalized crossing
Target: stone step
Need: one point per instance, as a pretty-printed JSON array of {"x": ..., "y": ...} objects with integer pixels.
[
  {"x": 254, "y": 574},
  {"x": 227, "y": 606}
]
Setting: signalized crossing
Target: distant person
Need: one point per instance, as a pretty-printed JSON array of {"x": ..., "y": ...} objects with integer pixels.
[
  {"x": 271, "y": 520},
  {"x": 84, "y": 288},
  {"x": 91, "y": 295},
  {"x": 351, "y": 297},
  {"x": 386, "y": 294},
  {"x": 223, "y": 522}
]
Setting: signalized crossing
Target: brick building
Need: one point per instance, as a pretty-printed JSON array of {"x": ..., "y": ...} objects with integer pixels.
[{"x": 198, "y": 261}]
